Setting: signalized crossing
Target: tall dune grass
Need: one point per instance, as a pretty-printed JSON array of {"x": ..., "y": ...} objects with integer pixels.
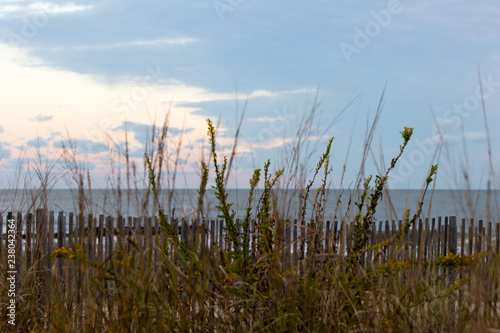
[{"x": 248, "y": 283}]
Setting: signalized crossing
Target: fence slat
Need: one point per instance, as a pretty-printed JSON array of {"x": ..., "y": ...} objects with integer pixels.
[
  {"x": 110, "y": 233},
  {"x": 60, "y": 241},
  {"x": 90, "y": 234},
  {"x": 19, "y": 240},
  {"x": 446, "y": 235},
  {"x": 327, "y": 237},
  {"x": 221, "y": 233},
  {"x": 420, "y": 246},
  {"x": 213, "y": 234},
  {"x": 479, "y": 238},
  {"x": 295, "y": 241},
  {"x": 440, "y": 230},
  {"x": 60, "y": 230},
  {"x": 488, "y": 237},
  {"x": 462, "y": 238},
  {"x": 343, "y": 236},
  {"x": 71, "y": 229},
  {"x": 100, "y": 244},
  {"x": 425, "y": 240},
  {"x": 471, "y": 237},
  {"x": 288, "y": 236},
  {"x": 1, "y": 241},
  {"x": 50, "y": 238},
  {"x": 29, "y": 225},
  {"x": 452, "y": 239},
  {"x": 497, "y": 238}
]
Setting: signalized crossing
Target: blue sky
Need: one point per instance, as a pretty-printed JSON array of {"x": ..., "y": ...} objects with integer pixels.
[{"x": 81, "y": 69}]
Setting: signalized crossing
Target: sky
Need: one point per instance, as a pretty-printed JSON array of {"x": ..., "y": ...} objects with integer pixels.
[{"x": 91, "y": 71}]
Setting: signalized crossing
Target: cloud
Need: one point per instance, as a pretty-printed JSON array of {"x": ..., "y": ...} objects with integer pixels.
[
  {"x": 6, "y": 10},
  {"x": 82, "y": 146},
  {"x": 212, "y": 59},
  {"x": 42, "y": 117},
  {"x": 264, "y": 119},
  {"x": 476, "y": 136},
  {"x": 46, "y": 7},
  {"x": 143, "y": 131},
  {"x": 137, "y": 153},
  {"x": 134, "y": 43},
  {"x": 468, "y": 136},
  {"x": 444, "y": 124},
  {"x": 38, "y": 142},
  {"x": 134, "y": 152},
  {"x": 259, "y": 48},
  {"x": 52, "y": 8},
  {"x": 89, "y": 165},
  {"x": 15, "y": 164},
  {"x": 263, "y": 93},
  {"x": 4, "y": 153},
  {"x": 267, "y": 93},
  {"x": 1, "y": 129}
]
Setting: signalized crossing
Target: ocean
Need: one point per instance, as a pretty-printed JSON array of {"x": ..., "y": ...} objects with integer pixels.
[{"x": 477, "y": 204}]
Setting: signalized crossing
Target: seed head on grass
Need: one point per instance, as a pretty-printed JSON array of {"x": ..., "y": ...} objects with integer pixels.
[
  {"x": 406, "y": 133},
  {"x": 203, "y": 186},
  {"x": 363, "y": 222},
  {"x": 221, "y": 194}
]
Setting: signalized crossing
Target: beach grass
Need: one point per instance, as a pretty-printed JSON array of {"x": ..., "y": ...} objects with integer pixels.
[{"x": 170, "y": 282}]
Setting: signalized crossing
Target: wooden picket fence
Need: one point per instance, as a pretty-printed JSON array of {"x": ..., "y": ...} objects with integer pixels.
[
  {"x": 39, "y": 234},
  {"x": 104, "y": 239}
]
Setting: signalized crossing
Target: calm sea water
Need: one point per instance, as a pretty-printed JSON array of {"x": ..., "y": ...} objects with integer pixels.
[{"x": 478, "y": 204}]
